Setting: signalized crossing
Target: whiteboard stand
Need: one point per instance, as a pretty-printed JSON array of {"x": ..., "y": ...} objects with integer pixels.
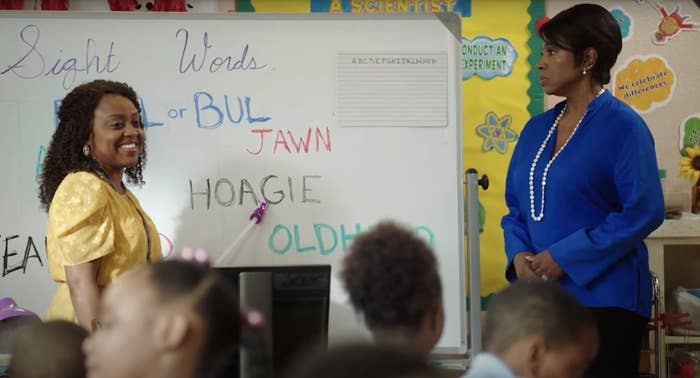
[{"x": 473, "y": 183}]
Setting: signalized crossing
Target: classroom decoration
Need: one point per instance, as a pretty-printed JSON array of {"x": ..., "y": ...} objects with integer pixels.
[
  {"x": 690, "y": 168},
  {"x": 462, "y": 7},
  {"x": 168, "y": 6},
  {"x": 644, "y": 82},
  {"x": 625, "y": 21},
  {"x": 517, "y": 95},
  {"x": 689, "y": 132},
  {"x": 123, "y": 5},
  {"x": 496, "y": 132},
  {"x": 61, "y": 5},
  {"x": 487, "y": 57},
  {"x": 690, "y": 163},
  {"x": 671, "y": 23},
  {"x": 11, "y": 4}
]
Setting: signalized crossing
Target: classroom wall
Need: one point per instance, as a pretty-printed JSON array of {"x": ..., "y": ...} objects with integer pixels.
[{"x": 666, "y": 112}]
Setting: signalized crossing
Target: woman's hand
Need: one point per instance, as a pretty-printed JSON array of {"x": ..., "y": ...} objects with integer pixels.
[
  {"x": 521, "y": 263},
  {"x": 544, "y": 266}
]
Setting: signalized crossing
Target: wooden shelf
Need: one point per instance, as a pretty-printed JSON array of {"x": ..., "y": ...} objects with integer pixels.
[
  {"x": 678, "y": 229},
  {"x": 674, "y": 253},
  {"x": 682, "y": 339}
]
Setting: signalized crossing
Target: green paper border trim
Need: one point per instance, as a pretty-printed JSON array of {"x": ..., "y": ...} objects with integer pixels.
[
  {"x": 483, "y": 302},
  {"x": 534, "y": 92},
  {"x": 244, "y": 6}
]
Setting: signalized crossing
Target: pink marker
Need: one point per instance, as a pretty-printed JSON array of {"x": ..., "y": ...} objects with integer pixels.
[{"x": 259, "y": 212}]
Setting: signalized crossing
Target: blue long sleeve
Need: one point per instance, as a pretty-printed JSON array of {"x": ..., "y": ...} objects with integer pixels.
[
  {"x": 602, "y": 199},
  {"x": 515, "y": 231},
  {"x": 590, "y": 251}
]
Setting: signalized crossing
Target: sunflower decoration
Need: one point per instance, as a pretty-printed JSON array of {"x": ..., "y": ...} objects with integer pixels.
[
  {"x": 690, "y": 165},
  {"x": 690, "y": 168}
]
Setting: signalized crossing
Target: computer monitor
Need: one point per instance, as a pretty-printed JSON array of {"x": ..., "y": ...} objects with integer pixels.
[{"x": 294, "y": 301}]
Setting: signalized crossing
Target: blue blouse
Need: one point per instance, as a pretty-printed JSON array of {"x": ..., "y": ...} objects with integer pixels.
[{"x": 603, "y": 198}]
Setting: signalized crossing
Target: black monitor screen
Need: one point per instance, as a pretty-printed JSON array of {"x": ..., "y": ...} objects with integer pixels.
[{"x": 294, "y": 301}]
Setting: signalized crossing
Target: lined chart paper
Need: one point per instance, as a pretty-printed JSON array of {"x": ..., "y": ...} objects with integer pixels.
[{"x": 392, "y": 89}]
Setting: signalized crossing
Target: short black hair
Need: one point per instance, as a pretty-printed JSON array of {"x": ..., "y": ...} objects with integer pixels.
[
  {"x": 582, "y": 26},
  {"x": 535, "y": 307},
  {"x": 51, "y": 349},
  {"x": 391, "y": 277},
  {"x": 215, "y": 301},
  {"x": 365, "y": 360}
]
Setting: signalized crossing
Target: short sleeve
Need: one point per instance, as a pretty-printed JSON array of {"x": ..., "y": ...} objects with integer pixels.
[{"x": 80, "y": 226}]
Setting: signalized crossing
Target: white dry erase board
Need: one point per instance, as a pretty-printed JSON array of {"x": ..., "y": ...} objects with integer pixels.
[{"x": 339, "y": 121}]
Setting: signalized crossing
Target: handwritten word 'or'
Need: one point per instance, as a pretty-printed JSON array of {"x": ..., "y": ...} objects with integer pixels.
[
  {"x": 271, "y": 189},
  {"x": 34, "y": 63}
]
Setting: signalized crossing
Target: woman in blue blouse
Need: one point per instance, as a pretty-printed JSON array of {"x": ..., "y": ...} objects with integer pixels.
[{"x": 583, "y": 189}]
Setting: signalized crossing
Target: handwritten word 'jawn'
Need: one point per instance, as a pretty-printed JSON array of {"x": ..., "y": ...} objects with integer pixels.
[
  {"x": 34, "y": 63},
  {"x": 300, "y": 143}
]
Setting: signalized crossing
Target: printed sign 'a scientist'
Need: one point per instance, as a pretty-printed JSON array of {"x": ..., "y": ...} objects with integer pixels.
[
  {"x": 461, "y": 7},
  {"x": 487, "y": 57},
  {"x": 645, "y": 82}
]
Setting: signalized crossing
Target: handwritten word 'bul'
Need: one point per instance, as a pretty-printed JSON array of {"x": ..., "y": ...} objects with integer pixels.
[
  {"x": 33, "y": 63},
  {"x": 227, "y": 63}
]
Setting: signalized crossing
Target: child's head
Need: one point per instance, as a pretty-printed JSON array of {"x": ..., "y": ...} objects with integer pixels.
[
  {"x": 541, "y": 331},
  {"x": 13, "y": 319},
  {"x": 367, "y": 361},
  {"x": 51, "y": 349},
  {"x": 166, "y": 317},
  {"x": 392, "y": 279}
]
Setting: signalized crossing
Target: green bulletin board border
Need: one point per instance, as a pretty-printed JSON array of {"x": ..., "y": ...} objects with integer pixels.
[{"x": 535, "y": 92}]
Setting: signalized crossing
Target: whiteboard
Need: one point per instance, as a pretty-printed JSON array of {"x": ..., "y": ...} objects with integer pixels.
[{"x": 339, "y": 121}]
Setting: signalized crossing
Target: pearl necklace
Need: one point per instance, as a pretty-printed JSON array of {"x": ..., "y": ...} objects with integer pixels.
[{"x": 538, "y": 217}]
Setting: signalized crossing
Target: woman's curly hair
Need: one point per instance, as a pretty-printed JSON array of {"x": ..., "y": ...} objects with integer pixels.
[
  {"x": 391, "y": 277},
  {"x": 75, "y": 117}
]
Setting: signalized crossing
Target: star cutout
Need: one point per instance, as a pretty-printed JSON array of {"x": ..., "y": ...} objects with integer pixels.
[{"x": 496, "y": 133}]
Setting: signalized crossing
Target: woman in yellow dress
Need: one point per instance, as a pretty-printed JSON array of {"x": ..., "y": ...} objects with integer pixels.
[{"x": 97, "y": 229}]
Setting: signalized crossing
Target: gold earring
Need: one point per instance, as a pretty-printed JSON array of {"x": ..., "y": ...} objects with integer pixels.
[{"x": 86, "y": 150}]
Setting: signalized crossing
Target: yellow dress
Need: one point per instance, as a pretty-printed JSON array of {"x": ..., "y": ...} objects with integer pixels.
[{"x": 89, "y": 220}]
